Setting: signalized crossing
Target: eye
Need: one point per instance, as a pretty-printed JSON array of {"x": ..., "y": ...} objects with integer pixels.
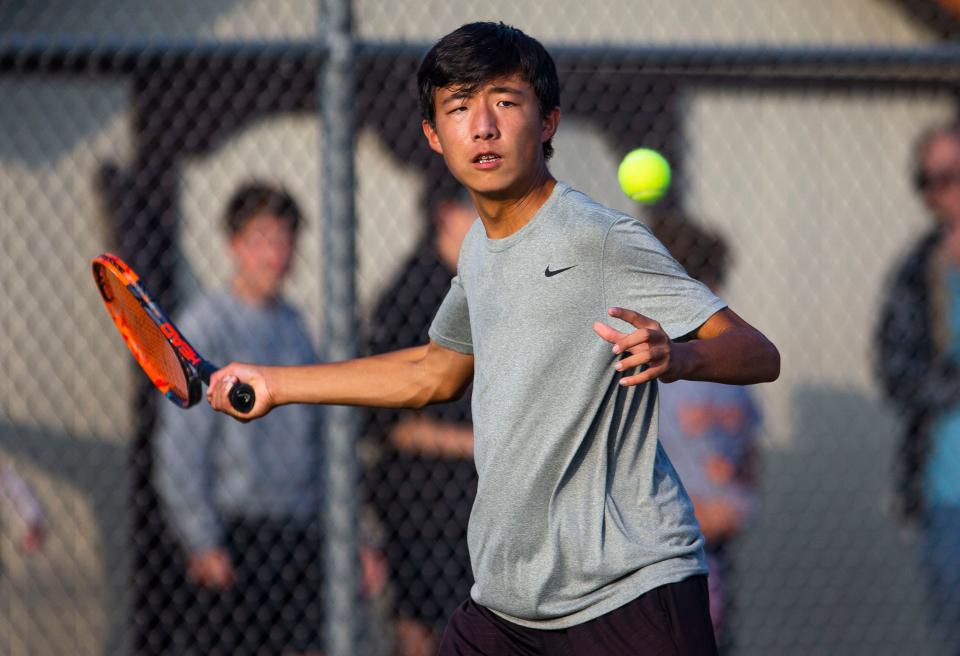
[{"x": 506, "y": 103}]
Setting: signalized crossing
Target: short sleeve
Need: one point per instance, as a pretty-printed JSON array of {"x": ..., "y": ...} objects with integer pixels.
[
  {"x": 640, "y": 274},
  {"x": 451, "y": 325}
]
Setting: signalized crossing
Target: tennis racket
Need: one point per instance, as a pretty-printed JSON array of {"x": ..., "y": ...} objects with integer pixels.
[{"x": 173, "y": 366}]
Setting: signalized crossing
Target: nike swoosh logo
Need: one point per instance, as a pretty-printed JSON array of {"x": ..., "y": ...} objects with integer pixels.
[{"x": 548, "y": 273}]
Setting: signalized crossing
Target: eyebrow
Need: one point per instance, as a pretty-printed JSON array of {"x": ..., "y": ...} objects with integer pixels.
[{"x": 461, "y": 94}]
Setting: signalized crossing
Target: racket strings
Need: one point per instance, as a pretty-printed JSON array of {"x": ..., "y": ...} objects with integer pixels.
[{"x": 145, "y": 340}]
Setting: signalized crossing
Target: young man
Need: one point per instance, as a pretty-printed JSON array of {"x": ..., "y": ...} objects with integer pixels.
[
  {"x": 244, "y": 499},
  {"x": 582, "y": 540}
]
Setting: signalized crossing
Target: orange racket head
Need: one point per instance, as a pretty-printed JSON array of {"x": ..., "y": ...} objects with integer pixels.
[{"x": 144, "y": 328}]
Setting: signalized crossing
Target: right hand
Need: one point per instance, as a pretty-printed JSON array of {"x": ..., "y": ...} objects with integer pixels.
[
  {"x": 218, "y": 392},
  {"x": 211, "y": 568},
  {"x": 719, "y": 519}
]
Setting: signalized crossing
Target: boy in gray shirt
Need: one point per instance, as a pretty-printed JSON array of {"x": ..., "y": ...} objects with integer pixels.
[
  {"x": 243, "y": 499},
  {"x": 582, "y": 540}
]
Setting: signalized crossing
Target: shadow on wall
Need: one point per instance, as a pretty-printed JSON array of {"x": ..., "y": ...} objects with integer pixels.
[
  {"x": 96, "y": 471},
  {"x": 829, "y": 570}
]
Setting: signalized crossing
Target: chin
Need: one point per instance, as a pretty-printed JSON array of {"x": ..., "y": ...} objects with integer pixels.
[{"x": 490, "y": 186}]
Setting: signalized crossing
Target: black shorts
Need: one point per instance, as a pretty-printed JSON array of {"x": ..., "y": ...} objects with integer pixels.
[
  {"x": 670, "y": 620},
  {"x": 275, "y": 605}
]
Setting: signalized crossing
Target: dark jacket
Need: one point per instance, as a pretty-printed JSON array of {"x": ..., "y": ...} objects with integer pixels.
[{"x": 910, "y": 362}]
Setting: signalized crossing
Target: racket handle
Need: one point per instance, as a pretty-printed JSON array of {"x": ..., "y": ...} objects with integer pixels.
[{"x": 242, "y": 397}]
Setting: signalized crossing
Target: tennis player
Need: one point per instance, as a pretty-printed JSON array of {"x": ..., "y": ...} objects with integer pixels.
[{"x": 565, "y": 314}]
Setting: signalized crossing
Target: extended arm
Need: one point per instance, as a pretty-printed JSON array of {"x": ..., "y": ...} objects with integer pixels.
[
  {"x": 724, "y": 349},
  {"x": 409, "y": 378}
]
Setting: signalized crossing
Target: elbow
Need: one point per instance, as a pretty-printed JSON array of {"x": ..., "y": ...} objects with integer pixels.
[
  {"x": 771, "y": 363},
  {"x": 446, "y": 392},
  {"x": 443, "y": 391},
  {"x": 429, "y": 394}
]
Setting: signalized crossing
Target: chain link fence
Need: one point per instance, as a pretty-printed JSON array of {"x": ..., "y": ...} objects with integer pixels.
[{"x": 790, "y": 127}]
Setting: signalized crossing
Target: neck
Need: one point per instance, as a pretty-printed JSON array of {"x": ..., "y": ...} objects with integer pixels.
[
  {"x": 503, "y": 216},
  {"x": 249, "y": 294}
]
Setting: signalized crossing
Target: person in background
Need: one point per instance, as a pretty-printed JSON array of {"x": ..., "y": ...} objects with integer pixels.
[
  {"x": 918, "y": 364},
  {"x": 425, "y": 479},
  {"x": 23, "y": 510},
  {"x": 244, "y": 499},
  {"x": 709, "y": 431}
]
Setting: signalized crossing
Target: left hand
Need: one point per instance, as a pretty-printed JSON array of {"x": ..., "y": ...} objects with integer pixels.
[
  {"x": 648, "y": 345},
  {"x": 33, "y": 539}
]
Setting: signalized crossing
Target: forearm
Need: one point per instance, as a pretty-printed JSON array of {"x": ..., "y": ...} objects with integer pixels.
[
  {"x": 419, "y": 434},
  {"x": 725, "y": 349},
  {"x": 737, "y": 356},
  {"x": 400, "y": 379}
]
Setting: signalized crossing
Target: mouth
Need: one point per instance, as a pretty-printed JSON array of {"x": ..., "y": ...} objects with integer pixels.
[{"x": 487, "y": 160}]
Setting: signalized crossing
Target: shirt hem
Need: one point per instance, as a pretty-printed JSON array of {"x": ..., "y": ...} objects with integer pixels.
[
  {"x": 451, "y": 344},
  {"x": 639, "y": 584}
]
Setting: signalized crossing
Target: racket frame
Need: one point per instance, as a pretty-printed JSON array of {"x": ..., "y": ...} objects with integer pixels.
[{"x": 195, "y": 368}]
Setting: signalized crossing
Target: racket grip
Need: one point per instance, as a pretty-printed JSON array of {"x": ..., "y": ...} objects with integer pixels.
[{"x": 242, "y": 397}]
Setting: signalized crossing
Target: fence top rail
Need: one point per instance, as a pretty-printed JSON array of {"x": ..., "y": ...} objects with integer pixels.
[{"x": 938, "y": 63}]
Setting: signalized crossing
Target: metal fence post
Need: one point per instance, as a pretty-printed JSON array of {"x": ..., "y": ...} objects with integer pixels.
[{"x": 339, "y": 265}]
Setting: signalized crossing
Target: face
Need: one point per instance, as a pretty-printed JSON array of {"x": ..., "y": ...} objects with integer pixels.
[
  {"x": 492, "y": 139},
  {"x": 940, "y": 177},
  {"x": 263, "y": 254},
  {"x": 454, "y": 221}
]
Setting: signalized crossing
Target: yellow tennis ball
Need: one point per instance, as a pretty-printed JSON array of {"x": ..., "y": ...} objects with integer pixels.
[{"x": 644, "y": 175}]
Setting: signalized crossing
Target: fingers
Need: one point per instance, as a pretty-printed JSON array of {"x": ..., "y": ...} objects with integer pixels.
[
  {"x": 648, "y": 347},
  {"x": 644, "y": 354},
  {"x": 223, "y": 381},
  {"x": 635, "y": 319},
  {"x": 642, "y": 377},
  {"x": 626, "y": 341}
]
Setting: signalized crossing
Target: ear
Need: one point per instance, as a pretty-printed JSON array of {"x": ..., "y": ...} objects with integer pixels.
[
  {"x": 233, "y": 245},
  {"x": 432, "y": 139},
  {"x": 550, "y": 124}
]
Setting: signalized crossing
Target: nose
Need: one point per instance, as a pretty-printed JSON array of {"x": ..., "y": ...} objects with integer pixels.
[{"x": 484, "y": 124}]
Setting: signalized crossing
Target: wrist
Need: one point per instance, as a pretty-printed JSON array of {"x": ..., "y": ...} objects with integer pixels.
[
  {"x": 681, "y": 362},
  {"x": 273, "y": 387}
]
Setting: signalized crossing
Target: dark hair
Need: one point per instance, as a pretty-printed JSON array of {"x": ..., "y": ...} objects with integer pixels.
[
  {"x": 476, "y": 53},
  {"x": 439, "y": 190},
  {"x": 704, "y": 253},
  {"x": 255, "y": 198}
]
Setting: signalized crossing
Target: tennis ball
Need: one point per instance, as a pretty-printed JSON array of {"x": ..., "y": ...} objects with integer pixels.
[{"x": 644, "y": 175}]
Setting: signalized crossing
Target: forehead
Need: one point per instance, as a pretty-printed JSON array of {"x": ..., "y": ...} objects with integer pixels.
[
  {"x": 265, "y": 222},
  {"x": 504, "y": 83},
  {"x": 941, "y": 150}
]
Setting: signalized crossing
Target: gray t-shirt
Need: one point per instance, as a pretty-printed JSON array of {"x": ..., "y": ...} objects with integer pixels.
[
  {"x": 578, "y": 509},
  {"x": 209, "y": 468}
]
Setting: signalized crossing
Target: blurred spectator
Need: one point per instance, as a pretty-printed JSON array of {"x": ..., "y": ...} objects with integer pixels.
[
  {"x": 918, "y": 361},
  {"x": 22, "y": 509},
  {"x": 244, "y": 499},
  {"x": 709, "y": 432},
  {"x": 425, "y": 480}
]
